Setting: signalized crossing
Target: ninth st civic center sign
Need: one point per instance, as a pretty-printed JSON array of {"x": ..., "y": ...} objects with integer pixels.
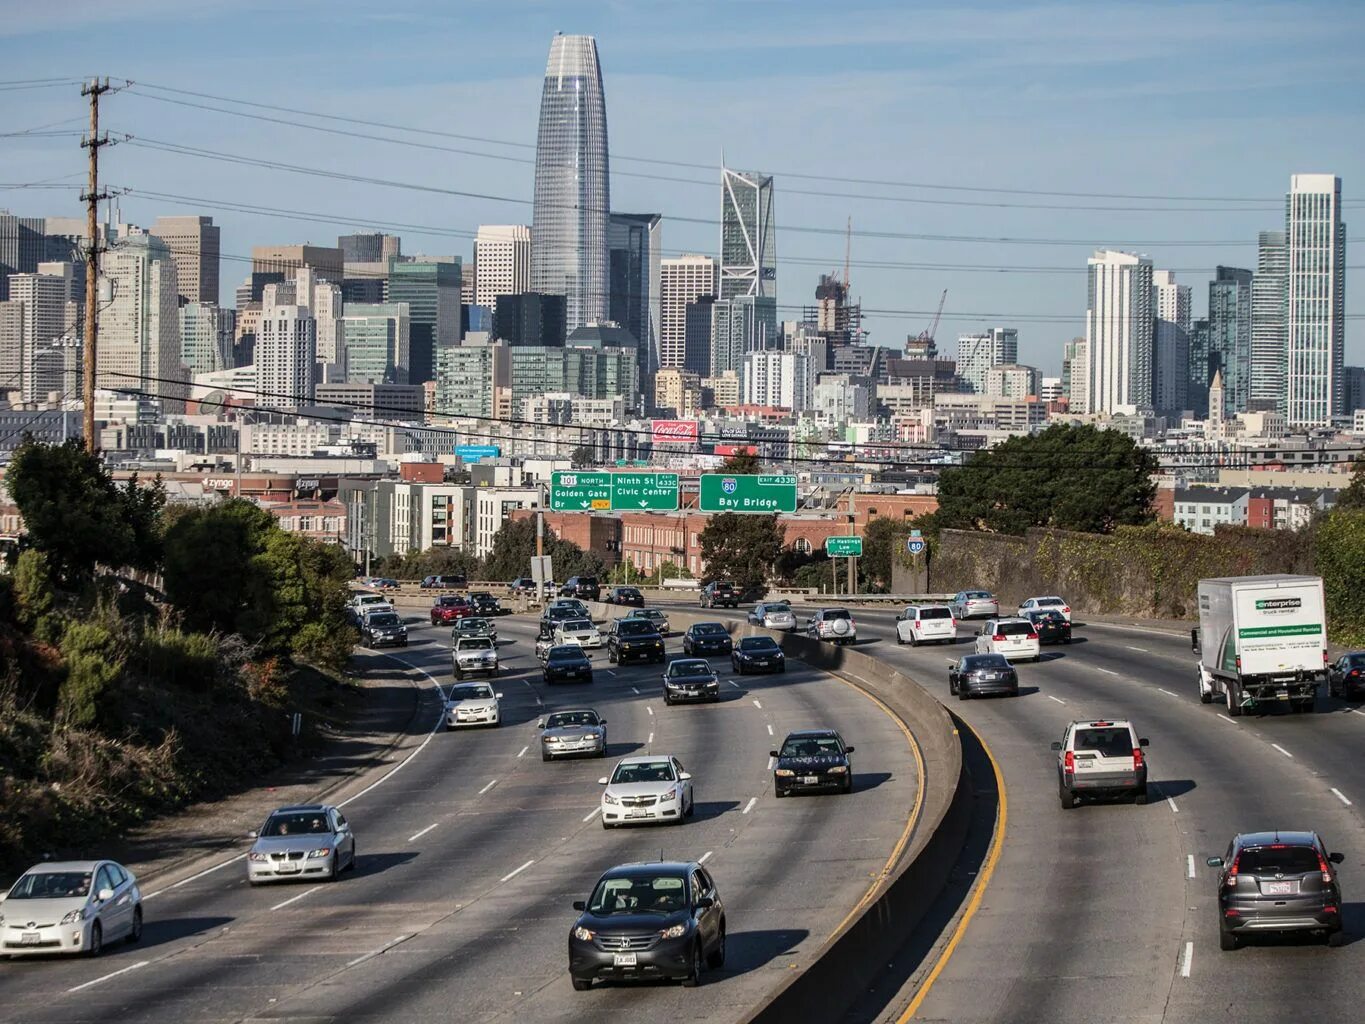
[{"x": 747, "y": 492}]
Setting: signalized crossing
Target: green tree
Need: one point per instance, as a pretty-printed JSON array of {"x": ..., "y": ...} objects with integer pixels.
[
  {"x": 741, "y": 548},
  {"x": 1353, "y": 494},
  {"x": 1339, "y": 554},
  {"x": 741, "y": 463},
  {"x": 582, "y": 457},
  {"x": 881, "y": 539},
  {"x": 211, "y": 575},
  {"x": 514, "y": 545},
  {"x": 1068, "y": 477},
  {"x": 93, "y": 655}
]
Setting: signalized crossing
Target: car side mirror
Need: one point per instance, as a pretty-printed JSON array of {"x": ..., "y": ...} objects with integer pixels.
[
  {"x": 684, "y": 776},
  {"x": 498, "y": 695},
  {"x": 602, "y": 781},
  {"x": 1214, "y": 862},
  {"x": 848, "y": 749},
  {"x": 952, "y": 663},
  {"x": 705, "y": 903},
  {"x": 773, "y": 753},
  {"x": 253, "y": 834},
  {"x": 540, "y": 724},
  {"x": 105, "y": 895},
  {"x": 601, "y": 721},
  {"x": 1194, "y": 640},
  {"x": 580, "y": 904},
  {"x": 1144, "y": 742},
  {"x": 1336, "y": 858},
  {"x": 1056, "y": 746}
]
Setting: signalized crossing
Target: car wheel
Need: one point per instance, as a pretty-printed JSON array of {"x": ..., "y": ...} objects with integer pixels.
[
  {"x": 668, "y": 701},
  {"x": 739, "y": 668},
  {"x": 544, "y": 755},
  {"x": 777, "y": 791},
  {"x": 336, "y": 866},
  {"x": 1227, "y": 942},
  {"x": 1234, "y": 708},
  {"x": 350, "y": 864},
  {"x": 605, "y": 826},
  {"x": 848, "y": 784},
  {"x": 1068, "y": 799},
  {"x": 1141, "y": 796},
  {"x": 914, "y": 641},
  {"x": 716, "y": 958},
  {"x": 96, "y": 940},
  {"x": 581, "y": 984},
  {"x": 611, "y": 656},
  {"x": 692, "y": 807},
  {"x": 1336, "y": 938},
  {"x": 693, "y": 978},
  {"x": 135, "y": 932},
  {"x": 962, "y": 693}
]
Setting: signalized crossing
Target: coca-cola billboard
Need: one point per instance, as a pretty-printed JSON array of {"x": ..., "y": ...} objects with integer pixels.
[{"x": 675, "y": 431}]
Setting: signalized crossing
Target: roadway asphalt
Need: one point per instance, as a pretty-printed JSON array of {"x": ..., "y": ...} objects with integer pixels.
[
  {"x": 1108, "y": 912},
  {"x": 471, "y": 854}
]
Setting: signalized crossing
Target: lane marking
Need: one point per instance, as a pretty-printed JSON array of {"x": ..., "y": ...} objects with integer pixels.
[
  {"x": 1225, "y": 718},
  {"x": 513, "y": 874},
  {"x": 295, "y": 899},
  {"x": 592, "y": 813},
  {"x": 195, "y": 877},
  {"x": 1341, "y": 796},
  {"x": 736, "y": 686},
  {"x": 1357, "y": 711},
  {"x": 750, "y": 805},
  {"x": 771, "y": 761},
  {"x": 651, "y": 738},
  {"x": 1132, "y": 648},
  {"x": 1187, "y": 960},
  {"x": 1174, "y": 809},
  {"x": 114, "y": 974},
  {"x": 610, "y": 671},
  {"x": 1057, "y": 699},
  {"x": 522, "y": 751},
  {"x": 705, "y": 857},
  {"x": 649, "y": 709},
  {"x": 770, "y": 729},
  {"x": 635, "y": 689},
  {"x": 488, "y": 787},
  {"x": 378, "y": 952},
  {"x": 1106, "y": 671},
  {"x": 1168, "y": 693},
  {"x": 1190, "y": 864},
  {"x": 758, "y": 705},
  {"x": 1281, "y": 750},
  {"x": 419, "y": 835}
]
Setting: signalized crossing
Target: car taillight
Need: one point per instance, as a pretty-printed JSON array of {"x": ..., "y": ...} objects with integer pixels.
[
  {"x": 1032, "y": 636},
  {"x": 1324, "y": 656},
  {"x": 1232, "y": 874},
  {"x": 998, "y": 637},
  {"x": 1066, "y": 610},
  {"x": 1137, "y": 758},
  {"x": 954, "y": 621},
  {"x": 1069, "y": 762},
  {"x": 917, "y": 624},
  {"x": 1326, "y": 871}
]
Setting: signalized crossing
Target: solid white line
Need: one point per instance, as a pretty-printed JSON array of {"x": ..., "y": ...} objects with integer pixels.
[
  {"x": 114, "y": 974},
  {"x": 758, "y": 705},
  {"x": 634, "y": 689},
  {"x": 1226, "y": 719},
  {"x": 649, "y": 709},
  {"x": 1168, "y": 693},
  {"x": 1190, "y": 864},
  {"x": 488, "y": 787},
  {"x": 1057, "y": 699},
  {"x": 295, "y": 899},
  {"x": 1187, "y": 960},
  {"x": 1106, "y": 671},
  {"x": 611, "y": 672},
  {"x": 705, "y": 857},
  {"x": 1132, "y": 648},
  {"x": 378, "y": 952},
  {"x": 1281, "y": 750},
  {"x": 651, "y": 738},
  {"x": 522, "y": 752},
  {"x": 1341, "y": 796},
  {"x": 195, "y": 877},
  {"x": 770, "y": 729},
  {"x": 419, "y": 835},
  {"x": 750, "y": 805},
  {"x": 513, "y": 874},
  {"x": 592, "y": 814}
]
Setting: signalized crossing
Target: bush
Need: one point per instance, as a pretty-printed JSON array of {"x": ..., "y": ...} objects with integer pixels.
[
  {"x": 1340, "y": 556},
  {"x": 33, "y": 588},
  {"x": 179, "y": 658}
]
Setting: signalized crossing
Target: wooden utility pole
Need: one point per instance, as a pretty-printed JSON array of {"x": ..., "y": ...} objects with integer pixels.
[
  {"x": 852, "y": 532},
  {"x": 95, "y": 88}
]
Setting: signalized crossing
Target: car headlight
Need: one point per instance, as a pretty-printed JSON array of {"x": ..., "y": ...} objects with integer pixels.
[
  {"x": 76, "y": 915},
  {"x": 609, "y": 799},
  {"x": 669, "y": 797},
  {"x": 324, "y": 851},
  {"x": 677, "y": 931},
  {"x": 838, "y": 769},
  {"x": 582, "y": 934},
  {"x": 554, "y": 739},
  {"x": 785, "y": 772},
  {"x": 257, "y": 858},
  {"x": 658, "y": 643}
]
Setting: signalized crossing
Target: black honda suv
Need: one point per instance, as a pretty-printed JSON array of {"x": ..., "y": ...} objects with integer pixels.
[{"x": 1278, "y": 882}]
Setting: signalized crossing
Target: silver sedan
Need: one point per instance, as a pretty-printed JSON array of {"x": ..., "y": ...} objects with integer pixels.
[
  {"x": 570, "y": 733},
  {"x": 306, "y": 841},
  {"x": 70, "y": 907}
]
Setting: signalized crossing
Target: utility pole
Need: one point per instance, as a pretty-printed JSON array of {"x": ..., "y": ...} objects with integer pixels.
[
  {"x": 852, "y": 562},
  {"x": 95, "y": 88}
]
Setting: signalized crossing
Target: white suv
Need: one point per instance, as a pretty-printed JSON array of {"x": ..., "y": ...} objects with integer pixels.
[
  {"x": 1016, "y": 639},
  {"x": 474, "y": 654},
  {"x": 930, "y": 623},
  {"x": 833, "y": 624},
  {"x": 1101, "y": 758},
  {"x": 1046, "y": 604}
]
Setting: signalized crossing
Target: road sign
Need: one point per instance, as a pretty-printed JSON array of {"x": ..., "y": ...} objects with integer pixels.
[
  {"x": 747, "y": 492},
  {"x": 477, "y": 452},
  {"x": 915, "y": 544},
  {"x": 542, "y": 569},
  {"x": 644, "y": 492},
  {"x": 844, "y": 547},
  {"x": 580, "y": 492}
]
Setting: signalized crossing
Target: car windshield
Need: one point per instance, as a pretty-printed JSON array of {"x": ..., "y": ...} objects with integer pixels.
[
  {"x": 472, "y": 691},
  {"x": 758, "y": 643},
  {"x": 780, "y": 608},
  {"x": 636, "y": 627},
  {"x": 935, "y": 613},
  {"x": 647, "y": 894},
  {"x": 830, "y": 614},
  {"x": 649, "y": 613},
  {"x": 1013, "y": 628},
  {"x": 472, "y": 625},
  {"x": 566, "y": 719},
  {"x": 51, "y": 885},
  {"x": 1284, "y": 860},
  {"x": 1111, "y": 742},
  {"x": 975, "y": 595},
  {"x": 297, "y": 823},
  {"x": 810, "y": 746},
  {"x": 587, "y": 581},
  {"x": 450, "y": 601},
  {"x": 560, "y": 614},
  {"x": 1049, "y": 617},
  {"x": 627, "y": 592},
  {"x": 577, "y": 625},
  {"x": 643, "y": 771},
  {"x": 708, "y": 629},
  {"x": 385, "y": 619},
  {"x": 686, "y": 669},
  {"x": 985, "y": 661},
  {"x": 1355, "y": 660},
  {"x": 372, "y": 599},
  {"x": 1049, "y": 602},
  {"x": 723, "y": 586},
  {"x": 476, "y": 643},
  {"x": 567, "y": 652}
]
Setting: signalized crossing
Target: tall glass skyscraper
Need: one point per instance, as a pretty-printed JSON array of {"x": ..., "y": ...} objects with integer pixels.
[
  {"x": 1268, "y": 323},
  {"x": 572, "y": 198},
  {"x": 1230, "y": 335},
  {"x": 1316, "y": 321},
  {"x": 748, "y": 235}
]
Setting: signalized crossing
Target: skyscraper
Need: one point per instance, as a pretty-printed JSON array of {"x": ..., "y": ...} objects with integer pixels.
[
  {"x": 206, "y": 332},
  {"x": 635, "y": 248},
  {"x": 743, "y": 324},
  {"x": 748, "y": 235},
  {"x": 286, "y": 354},
  {"x": 375, "y": 339},
  {"x": 977, "y": 353},
  {"x": 1118, "y": 332},
  {"x": 1268, "y": 297},
  {"x": 502, "y": 262},
  {"x": 430, "y": 286},
  {"x": 1170, "y": 343},
  {"x": 682, "y": 280},
  {"x": 1230, "y": 335},
  {"x": 194, "y": 243},
  {"x": 49, "y": 315},
  {"x": 139, "y": 325},
  {"x": 21, "y": 247},
  {"x": 1316, "y": 320},
  {"x": 1201, "y": 369},
  {"x": 572, "y": 190}
]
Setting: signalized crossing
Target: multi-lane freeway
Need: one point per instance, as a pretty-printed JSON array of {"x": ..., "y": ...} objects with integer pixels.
[{"x": 472, "y": 853}]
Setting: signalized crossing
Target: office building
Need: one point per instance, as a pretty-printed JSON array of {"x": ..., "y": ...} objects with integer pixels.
[
  {"x": 744, "y": 324},
  {"x": 572, "y": 185},
  {"x": 840, "y": 399},
  {"x": 139, "y": 319},
  {"x": 1011, "y": 380},
  {"x": 502, "y": 262},
  {"x": 1118, "y": 329},
  {"x": 324, "y": 300},
  {"x": 283, "y": 260},
  {"x": 194, "y": 243},
  {"x": 723, "y": 391},
  {"x": 776, "y": 379},
  {"x": 286, "y": 354},
  {"x": 634, "y": 247},
  {"x": 11, "y": 349},
  {"x": 430, "y": 288},
  {"x": 206, "y": 336},
  {"x": 21, "y": 247},
  {"x": 1269, "y": 295},
  {"x": 530, "y": 319},
  {"x": 1050, "y": 389},
  {"x": 977, "y": 353},
  {"x": 49, "y": 316},
  {"x": 381, "y": 401},
  {"x": 372, "y": 247},
  {"x": 465, "y": 380},
  {"x": 748, "y": 235},
  {"x": 1230, "y": 335},
  {"x": 375, "y": 342},
  {"x": 1170, "y": 343},
  {"x": 1315, "y": 342},
  {"x": 677, "y": 393},
  {"x": 585, "y": 372},
  {"x": 699, "y": 335},
  {"x": 682, "y": 280},
  {"x": 837, "y": 319},
  {"x": 1201, "y": 369}
]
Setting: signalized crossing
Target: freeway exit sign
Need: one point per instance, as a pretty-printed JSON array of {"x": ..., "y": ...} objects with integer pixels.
[
  {"x": 747, "y": 492},
  {"x": 844, "y": 547},
  {"x": 614, "y": 492},
  {"x": 580, "y": 492}
]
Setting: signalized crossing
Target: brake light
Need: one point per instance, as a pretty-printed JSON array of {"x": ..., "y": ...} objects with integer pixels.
[
  {"x": 1232, "y": 873},
  {"x": 917, "y": 623},
  {"x": 1069, "y": 762},
  {"x": 1324, "y": 656},
  {"x": 1066, "y": 610},
  {"x": 1137, "y": 757},
  {"x": 1326, "y": 871},
  {"x": 998, "y": 637},
  {"x": 1032, "y": 636}
]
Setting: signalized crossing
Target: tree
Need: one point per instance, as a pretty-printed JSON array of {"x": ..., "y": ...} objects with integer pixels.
[
  {"x": 210, "y": 573},
  {"x": 741, "y": 548},
  {"x": 1339, "y": 554},
  {"x": 582, "y": 457},
  {"x": 741, "y": 463},
  {"x": 881, "y": 538},
  {"x": 1353, "y": 494},
  {"x": 515, "y": 545},
  {"x": 1068, "y": 477},
  {"x": 442, "y": 561}
]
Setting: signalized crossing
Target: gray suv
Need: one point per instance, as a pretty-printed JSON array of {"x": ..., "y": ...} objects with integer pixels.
[{"x": 1278, "y": 882}]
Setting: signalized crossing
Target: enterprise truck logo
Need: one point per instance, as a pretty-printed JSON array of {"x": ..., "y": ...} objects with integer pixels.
[{"x": 1274, "y": 604}]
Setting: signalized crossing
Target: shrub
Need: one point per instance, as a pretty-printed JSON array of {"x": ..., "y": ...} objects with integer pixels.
[
  {"x": 94, "y": 659},
  {"x": 180, "y": 658}
]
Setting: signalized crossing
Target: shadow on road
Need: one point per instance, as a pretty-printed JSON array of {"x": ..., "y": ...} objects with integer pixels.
[
  {"x": 708, "y": 809},
  {"x": 367, "y": 864}
]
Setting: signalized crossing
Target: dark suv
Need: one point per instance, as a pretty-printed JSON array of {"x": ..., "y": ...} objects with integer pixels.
[
  {"x": 585, "y": 588},
  {"x": 720, "y": 594},
  {"x": 634, "y": 640},
  {"x": 457, "y": 581},
  {"x": 1278, "y": 882}
]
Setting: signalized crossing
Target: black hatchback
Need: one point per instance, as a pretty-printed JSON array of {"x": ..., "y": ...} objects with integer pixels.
[
  {"x": 1278, "y": 882},
  {"x": 974, "y": 675},
  {"x": 630, "y": 597},
  {"x": 704, "y": 638},
  {"x": 1051, "y": 627},
  {"x": 567, "y": 663},
  {"x": 812, "y": 759}
]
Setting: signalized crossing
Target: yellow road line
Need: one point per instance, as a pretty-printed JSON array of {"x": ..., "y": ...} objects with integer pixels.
[{"x": 983, "y": 880}]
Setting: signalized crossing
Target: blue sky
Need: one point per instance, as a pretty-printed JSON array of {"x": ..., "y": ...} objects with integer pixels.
[{"x": 1166, "y": 100}]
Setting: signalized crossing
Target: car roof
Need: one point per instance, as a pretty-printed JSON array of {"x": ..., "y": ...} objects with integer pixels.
[
  {"x": 66, "y": 865},
  {"x": 640, "y": 868},
  {"x": 1295, "y": 838},
  {"x": 1102, "y": 723},
  {"x": 563, "y": 648},
  {"x": 688, "y": 661},
  {"x": 573, "y": 711},
  {"x": 645, "y": 758},
  {"x": 834, "y": 608},
  {"x": 1010, "y": 618},
  {"x": 803, "y": 734}
]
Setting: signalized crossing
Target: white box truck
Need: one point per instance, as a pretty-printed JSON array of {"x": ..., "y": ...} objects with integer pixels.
[{"x": 1262, "y": 640}]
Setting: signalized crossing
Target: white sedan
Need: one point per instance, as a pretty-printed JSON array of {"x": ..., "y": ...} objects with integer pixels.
[
  {"x": 1046, "y": 604},
  {"x": 70, "y": 907},
  {"x": 472, "y": 704},
  {"x": 578, "y": 631},
  {"x": 646, "y": 789}
]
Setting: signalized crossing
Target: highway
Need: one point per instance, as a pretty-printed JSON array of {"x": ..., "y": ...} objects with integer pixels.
[
  {"x": 1108, "y": 912},
  {"x": 471, "y": 854}
]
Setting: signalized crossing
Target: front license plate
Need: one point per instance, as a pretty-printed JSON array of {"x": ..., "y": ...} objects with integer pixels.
[
  {"x": 637, "y": 814},
  {"x": 623, "y": 960},
  {"x": 1277, "y": 888},
  {"x": 810, "y": 780},
  {"x": 761, "y": 664},
  {"x": 30, "y": 938},
  {"x": 1282, "y": 695}
]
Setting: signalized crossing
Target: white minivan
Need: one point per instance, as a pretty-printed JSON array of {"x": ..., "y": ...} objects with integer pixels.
[
  {"x": 1015, "y": 638},
  {"x": 928, "y": 623}
]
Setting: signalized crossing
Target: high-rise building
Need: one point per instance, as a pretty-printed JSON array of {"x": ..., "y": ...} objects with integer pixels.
[
  {"x": 677, "y": 392},
  {"x": 194, "y": 243},
  {"x": 49, "y": 317},
  {"x": 634, "y": 245},
  {"x": 572, "y": 186},
  {"x": 1230, "y": 335},
  {"x": 1118, "y": 330},
  {"x": 11, "y": 346},
  {"x": 1170, "y": 343},
  {"x": 1269, "y": 294},
  {"x": 1201, "y": 368},
  {"x": 1315, "y": 343},
  {"x": 502, "y": 262},
  {"x": 21, "y": 247},
  {"x": 977, "y": 353},
  {"x": 139, "y": 319},
  {"x": 530, "y": 319},
  {"x": 1011, "y": 380},
  {"x": 283, "y": 260},
  {"x": 1073, "y": 372},
  {"x": 206, "y": 336},
  {"x": 286, "y": 354},
  {"x": 682, "y": 280},
  {"x": 838, "y": 319},
  {"x": 324, "y": 301},
  {"x": 465, "y": 379},
  {"x": 748, "y": 235},
  {"x": 744, "y": 324},
  {"x": 776, "y": 379},
  {"x": 375, "y": 339},
  {"x": 373, "y": 247},
  {"x": 699, "y": 336},
  {"x": 430, "y": 286}
]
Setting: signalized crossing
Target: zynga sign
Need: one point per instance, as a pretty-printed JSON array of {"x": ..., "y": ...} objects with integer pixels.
[{"x": 675, "y": 431}]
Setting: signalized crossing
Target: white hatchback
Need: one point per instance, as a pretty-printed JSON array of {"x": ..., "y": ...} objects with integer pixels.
[
  {"x": 1016, "y": 639},
  {"x": 70, "y": 907},
  {"x": 1046, "y": 604},
  {"x": 929, "y": 623},
  {"x": 646, "y": 789}
]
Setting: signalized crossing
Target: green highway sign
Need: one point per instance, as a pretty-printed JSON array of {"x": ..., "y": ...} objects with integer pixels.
[
  {"x": 654, "y": 492},
  {"x": 844, "y": 547},
  {"x": 580, "y": 492},
  {"x": 747, "y": 492}
]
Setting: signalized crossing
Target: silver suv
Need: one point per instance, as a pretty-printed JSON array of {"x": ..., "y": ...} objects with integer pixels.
[
  {"x": 833, "y": 624},
  {"x": 1101, "y": 758},
  {"x": 474, "y": 655}
]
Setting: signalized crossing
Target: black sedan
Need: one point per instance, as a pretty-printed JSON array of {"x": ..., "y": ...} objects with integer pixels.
[
  {"x": 689, "y": 679},
  {"x": 975, "y": 675},
  {"x": 758, "y": 654},
  {"x": 567, "y": 663},
  {"x": 1051, "y": 627},
  {"x": 704, "y": 638},
  {"x": 384, "y": 629},
  {"x": 627, "y": 596},
  {"x": 1346, "y": 676},
  {"x": 648, "y": 921},
  {"x": 812, "y": 759},
  {"x": 485, "y": 603}
]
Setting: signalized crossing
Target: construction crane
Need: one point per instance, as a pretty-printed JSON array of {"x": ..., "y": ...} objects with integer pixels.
[
  {"x": 848, "y": 251},
  {"x": 929, "y": 333}
]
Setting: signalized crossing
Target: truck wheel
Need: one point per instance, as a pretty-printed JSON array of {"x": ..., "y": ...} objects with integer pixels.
[
  {"x": 1068, "y": 799},
  {"x": 1234, "y": 706}
]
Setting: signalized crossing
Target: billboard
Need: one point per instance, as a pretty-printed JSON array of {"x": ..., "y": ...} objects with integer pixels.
[
  {"x": 475, "y": 452},
  {"x": 675, "y": 431},
  {"x": 736, "y": 449}
]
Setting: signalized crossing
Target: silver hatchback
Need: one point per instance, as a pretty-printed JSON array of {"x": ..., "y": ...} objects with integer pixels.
[{"x": 306, "y": 841}]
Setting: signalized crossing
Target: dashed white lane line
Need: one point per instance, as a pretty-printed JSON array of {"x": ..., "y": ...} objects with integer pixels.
[
  {"x": 1168, "y": 693},
  {"x": 1187, "y": 961},
  {"x": 377, "y": 952},
  {"x": 1057, "y": 699},
  {"x": 758, "y": 705},
  {"x": 750, "y": 805},
  {"x": 112, "y": 974},
  {"x": 771, "y": 761},
  {"x": 770, "y": 729},
  {"x": 651, "y": 738},
  {"x": 612, "y": 673},
  {"x": 635, "y": 690},
  {"x": 1281, "y": 750},
  {"x": 736, "y": 686},
  {"x": 295, "y": 899},
  {"x": 1341, "y": 796},
  {"x": 705, "y": 857},
  {"x": 649, "y": 709},
  {"x": 1174, "y": 808},
  {"x": 486, "y": 788},
  {"x": 419, "y": 835},
  {"x": 1225, "y": 718},
  {"x": 1132, "y": 648},
  {"x": 1189, "y": 863},
  {"x": 592, "y": 814},
  {"x": 522, "y": 751},
  {"x": 1107, "y": 671},
  {"x": 513, "y": 874}
]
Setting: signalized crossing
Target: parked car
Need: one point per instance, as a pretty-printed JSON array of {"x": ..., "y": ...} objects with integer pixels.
[
  {"x": 384, "y": 629},
  {"x": 70, "y": 907},
  {"x": 1278, "y": 882},
  {"x": 690, "y": 679},
  {"x": 1051, "y": 626},
  {"x": 485, "y": 603},
  {"x": 1049, "y": 604},
  {"x": 634, "y": 640},
  {"x": 719, "y": 594},
  {"x": 974, "y": 604},
  {"x": 926, "y": 623},
  {"x": 1100, "y": 758},
  {"x": 564, "y": 663},
  {"x": 474, "y": 654},
  {"x": 833, "y": 624},
  {"x": 812, "y": 759},
  {"x": 757, "y": 654},
  {"x": 628, "y": 596},
  {"x": 473, "y": 704},
  {"x": 773, "y": 615},
  {"x": 655, "y": 616},
  {"x": 302, "y": 841},
  {"x": 569, "y": 733},
  {"x": 585, "y": 588},
  {"x": 703, "y": 638},
  {"x": 455, "y": 581},
  {"x": 450, "y": 608},
  {"x": 976, "y": 675},
  {"x": 474, "y": 625},
  {"x": 1346, "y": 676},
  {"x": 652, "y": 788},
  {"x": 1015, "y": 638}
]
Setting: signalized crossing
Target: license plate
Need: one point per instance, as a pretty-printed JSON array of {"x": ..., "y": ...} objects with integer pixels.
[
  {"x": 570, "y": 672},
  {"x": 30, "y": 938},
  {"x": 1282, "y": 695},
  {"x": 623, "y": 960},
  {"x": 761, "y": 664},
  {"x": 1277, "y": 888},
  {"x": 810, "y": 780},
  {"x": 637, "y": 814}
]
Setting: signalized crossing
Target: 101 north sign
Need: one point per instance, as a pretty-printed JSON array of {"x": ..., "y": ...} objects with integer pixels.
[{"x": 613, "y": 492}]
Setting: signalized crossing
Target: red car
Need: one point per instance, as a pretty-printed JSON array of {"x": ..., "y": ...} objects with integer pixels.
[{"x": 451, "y": 608}]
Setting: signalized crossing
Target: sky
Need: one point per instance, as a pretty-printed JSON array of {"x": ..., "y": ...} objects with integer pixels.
[{"x": 982, "y": 147}]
